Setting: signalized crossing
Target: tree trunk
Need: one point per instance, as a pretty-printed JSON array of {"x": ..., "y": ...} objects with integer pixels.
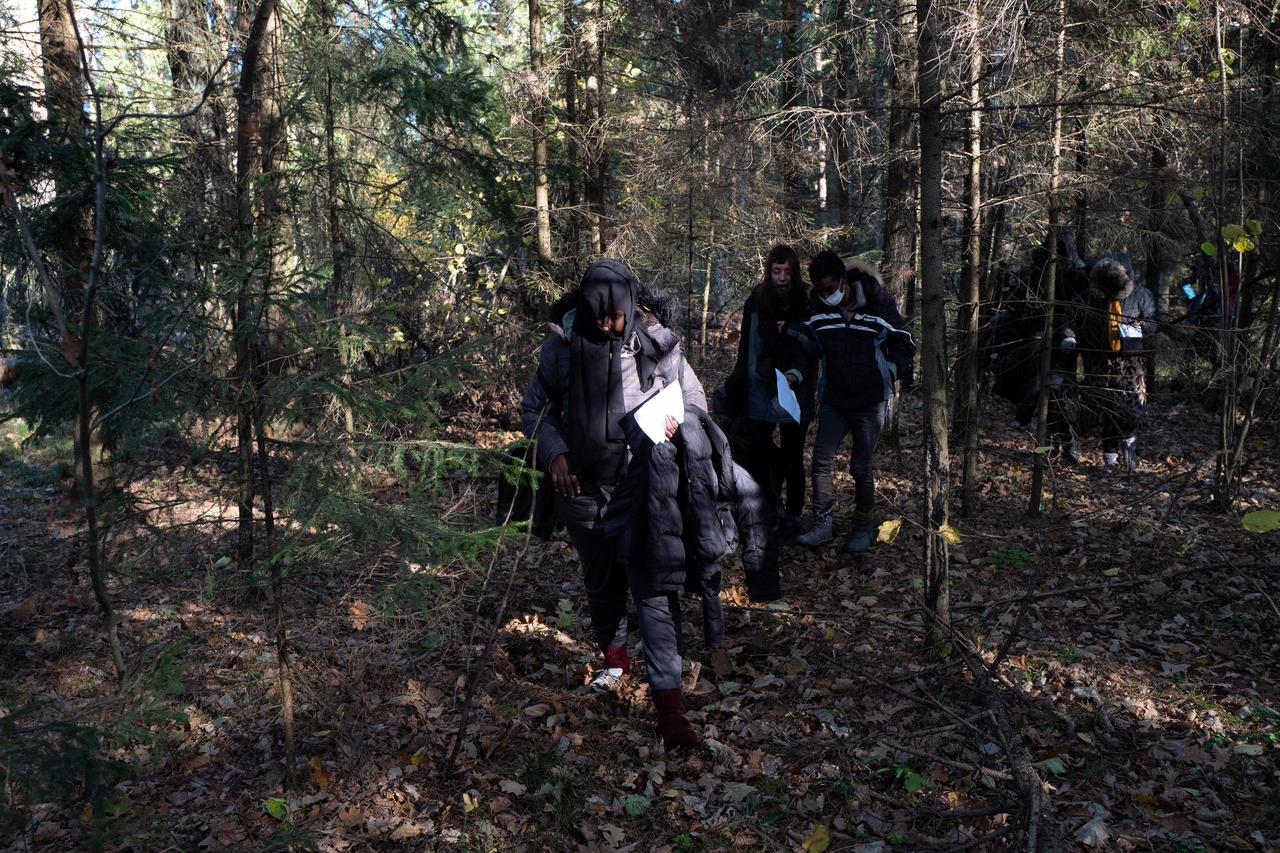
[
  {"x": 571, "y": 130},
  {"x": 791, "y": 171},
  {"x": 1049, "y": 279},
  {"x": 64, "y": 85},
  {"x": 1153, "y": 244},
  {"x": 840, "y": 144},
  {"x": 972, "y": 363},
  {"x": 595, "y": 156},
  {"x": 900, "y": 213},
  {"x": 261, "y": 147},
  {"x": 538, "y": 121},
  {"x": 822, "y": 158},
  {"x": 933, "y": 357}
]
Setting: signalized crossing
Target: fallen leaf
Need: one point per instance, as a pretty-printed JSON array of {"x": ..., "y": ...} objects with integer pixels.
[
  {"x": 1094, "y": 833},
  {"x": 360, "y": 612},
  {"x": 514, "y": 788},
  {"x": 407, "y": 830},
  {"x": 818, "y": 840},
  {"x": 318, "y": 774},
  {"x": 889, "y": 531}
]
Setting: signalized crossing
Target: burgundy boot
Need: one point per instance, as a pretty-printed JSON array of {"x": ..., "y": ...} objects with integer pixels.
[{"x": 673, "y": 725}]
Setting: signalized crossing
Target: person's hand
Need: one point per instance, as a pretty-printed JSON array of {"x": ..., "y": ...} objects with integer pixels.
[
  {"x": 672, "y": 427},
  {"x": 781, "y": 324},
  {"x": 562, "y": 479}
]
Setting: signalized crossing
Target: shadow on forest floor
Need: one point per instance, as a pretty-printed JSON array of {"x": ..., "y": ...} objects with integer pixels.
[{"x": 1141, "y": 682}]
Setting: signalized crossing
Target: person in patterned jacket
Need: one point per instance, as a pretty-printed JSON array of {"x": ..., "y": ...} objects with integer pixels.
[{"x": 864, "y": 350}]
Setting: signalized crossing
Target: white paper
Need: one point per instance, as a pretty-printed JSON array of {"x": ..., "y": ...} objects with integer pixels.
[
  {"x": 1130, "y": 330},
  {"x": 787, "y": 398},
  {"x": 651, "y": 415}
]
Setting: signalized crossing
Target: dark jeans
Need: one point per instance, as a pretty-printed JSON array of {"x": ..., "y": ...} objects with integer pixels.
[
  {"x": 833, "y": 425},
  {"x": 607, "y": 584},
  {"x": 774, "y": 467}
]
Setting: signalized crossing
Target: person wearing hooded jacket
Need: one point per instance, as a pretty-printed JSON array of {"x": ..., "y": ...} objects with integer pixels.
[
  {"x": 864, "y": 349},
  {"x": 774, "y": 338},
  {"x": 1110, "y": 329},
  {"x": 599, "y": 363}
]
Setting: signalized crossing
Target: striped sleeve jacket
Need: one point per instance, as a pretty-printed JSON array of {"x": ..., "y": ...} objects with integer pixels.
[{"x": 858, "y": 348}]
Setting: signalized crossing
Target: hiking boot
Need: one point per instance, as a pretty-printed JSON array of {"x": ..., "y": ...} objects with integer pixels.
[
  {"x": 673, "y": 725},
  {"x": 1068, "y": 452},
  {"x": 617, "y": 663},
  {"x": 1130, "y": 450},
  {"x": 820, "y": 533},
  {"x": 1109, "y": 461},
  {"x": 861, "y": 536}
]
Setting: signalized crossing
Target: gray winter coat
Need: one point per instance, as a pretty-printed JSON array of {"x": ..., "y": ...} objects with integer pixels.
[{"x": 545, "y": 413}]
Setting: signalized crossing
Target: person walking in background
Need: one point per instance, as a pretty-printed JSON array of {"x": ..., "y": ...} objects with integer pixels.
[
  {"x": 1111, "y": 329},
  {"x": 774, "y": 337},
  {"x": 864, "y": 349}
]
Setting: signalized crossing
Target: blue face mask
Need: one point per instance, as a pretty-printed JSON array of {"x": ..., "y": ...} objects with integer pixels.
[{"x": 835, "y": 298}]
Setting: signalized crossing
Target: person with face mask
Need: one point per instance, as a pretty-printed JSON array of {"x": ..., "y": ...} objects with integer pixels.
[
  {"x": 604, "y": 357},
  {"x": 774, "y": 337},
  {"x": 864, "y": 350}
]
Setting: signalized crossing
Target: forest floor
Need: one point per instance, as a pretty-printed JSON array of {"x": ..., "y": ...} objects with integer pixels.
[{"x": 1140, "y": 686}]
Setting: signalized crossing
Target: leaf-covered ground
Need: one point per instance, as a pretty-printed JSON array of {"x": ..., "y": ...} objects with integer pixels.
[{"x": 1138, "y": 681}]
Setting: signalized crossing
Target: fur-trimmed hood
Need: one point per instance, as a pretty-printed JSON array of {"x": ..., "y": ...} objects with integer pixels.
[
  {"x": 1112, "y": 278},
  {"x": 859, "y": 271},
  {"x": 656, "y": 305}
]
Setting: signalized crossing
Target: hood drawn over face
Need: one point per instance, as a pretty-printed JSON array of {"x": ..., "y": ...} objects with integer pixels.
[{"x": 608, "y": 287}]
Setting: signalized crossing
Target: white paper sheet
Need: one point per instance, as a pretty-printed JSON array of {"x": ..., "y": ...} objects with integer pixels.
[
  {"x": 787, "y": 398},
  {"x": 651, "y": 415}
]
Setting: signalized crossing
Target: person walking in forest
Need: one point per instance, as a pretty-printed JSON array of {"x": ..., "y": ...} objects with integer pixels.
[
  {"x": 774, "y": 339},
  {"x": 1111, "y": 328},
  {"x": 864, "y": 349},
  {"x": 635, "y": 525}
]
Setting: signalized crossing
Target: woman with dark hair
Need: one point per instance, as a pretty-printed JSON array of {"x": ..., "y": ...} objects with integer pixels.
[{"x": 774, "y": 338}]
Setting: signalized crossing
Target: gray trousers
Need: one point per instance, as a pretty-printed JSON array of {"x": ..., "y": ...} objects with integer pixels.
[
  {"x": 607, "y": 583},
  {"x": 833, "y": 425}
]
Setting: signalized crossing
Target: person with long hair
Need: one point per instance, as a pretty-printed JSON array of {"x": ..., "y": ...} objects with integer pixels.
[{"x": 773, "y": 338}]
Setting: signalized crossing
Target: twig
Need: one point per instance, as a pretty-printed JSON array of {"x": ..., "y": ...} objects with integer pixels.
[{"x": 481, "y": 665}]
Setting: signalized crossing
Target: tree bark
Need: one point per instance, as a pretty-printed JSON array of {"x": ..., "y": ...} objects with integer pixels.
[
  {"x": 595, "y": 154},
  {"x": 971, "y": 361},
  {"x": 791, "y": 171},
  {"x": 933, "y": 359},
  {"x": 571, "y": 130},
  {"x": 1049, "y": 278},
  {"x": 900, "y": 213},
  {"x": 64, "y": 86},
  {"x": 538, "y": 122}
]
